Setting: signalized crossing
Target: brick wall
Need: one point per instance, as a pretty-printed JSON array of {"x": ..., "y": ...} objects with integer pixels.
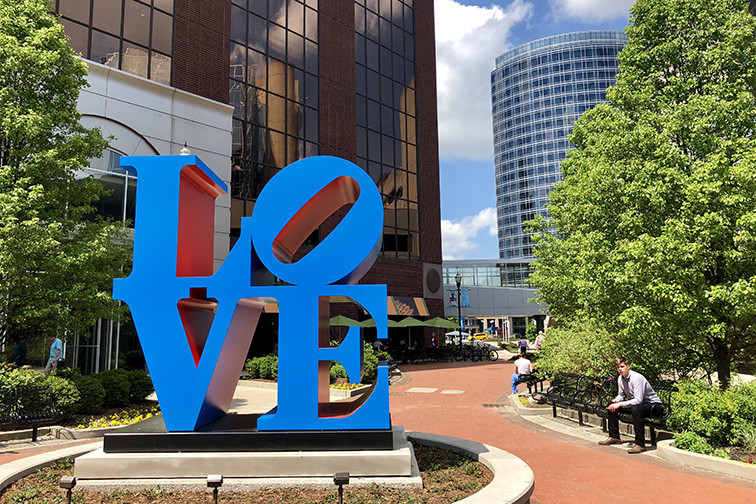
[
  {"x": 338, "y": 127},
  {"x": 201, "y": 47},
  {"x": 427, "y": 133}
]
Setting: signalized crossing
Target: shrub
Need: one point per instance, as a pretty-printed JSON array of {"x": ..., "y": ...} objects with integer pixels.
[
  {"x": 692, "y": 442},
  {"x": 71, "y": 374},
  {"x": 92, "y": 395},
  {"x": 134, "y": 360},
  {"x": 65, "y": 395},
  {"x": 337, "y": 371},
  {"x": 140, "y": 385},
  {"x": 253, "y": 367},
  {"x": 116, "y": 384},
  {"x": 705, "y": 410},
  {"x": 370, "y": 361},
  {"x": 745, "y": 435},
  {"x": 269, "y": 367},
  {"x": 721, "y": 453}
]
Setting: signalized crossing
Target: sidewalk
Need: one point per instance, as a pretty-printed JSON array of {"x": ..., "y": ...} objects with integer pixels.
[{"x": 470, "y": 401}]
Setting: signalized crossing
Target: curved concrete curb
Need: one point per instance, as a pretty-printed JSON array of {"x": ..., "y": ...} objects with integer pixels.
[
  {"x": 666, "y": 450},
  {"x": 525, "y": 411},
  {"x": 13, "y": 471},
  {"x": 513, "y": 481},
  {"x": 76, "y": 434}
]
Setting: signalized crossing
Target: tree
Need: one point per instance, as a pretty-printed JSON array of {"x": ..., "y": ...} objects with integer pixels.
[
  {"x": 655, "y": 218},
  {"x": 57, "y": 260}
]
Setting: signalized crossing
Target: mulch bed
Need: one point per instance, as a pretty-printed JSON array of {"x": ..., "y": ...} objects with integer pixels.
[{"x": 447, "y": 477}]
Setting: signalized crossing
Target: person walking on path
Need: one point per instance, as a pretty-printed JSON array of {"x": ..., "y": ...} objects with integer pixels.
[
  {"x": 523, "y": 367},
  {"x": 56, "y": 348},
  {"x": 637, "y": 397}
]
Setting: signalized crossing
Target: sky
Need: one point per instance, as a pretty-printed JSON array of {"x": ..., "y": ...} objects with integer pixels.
[{"x": 469, "y": 36}]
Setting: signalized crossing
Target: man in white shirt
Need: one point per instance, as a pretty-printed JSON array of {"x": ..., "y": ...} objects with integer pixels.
[
  {"x": 523, "y": 367},
  {"x": 636, "y": 396}
]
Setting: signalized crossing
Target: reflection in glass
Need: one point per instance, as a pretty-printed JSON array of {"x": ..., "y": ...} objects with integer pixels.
[
  {"x": 105, "y": 49},
  {"x": 296, "y": 18},
  {"x": 162, "y": 32},
  {"x": 276, "y": 42},
  {"x": 136, "y": 23},
  {"x": 78, "y": 35},
  {"x": 75, "y": 9},
  {"x": 311, "y": 24},
  {"x": 107, "y": 15},
  {"x": 160, "y": 68},
  {"x": 166, "y": 5},
  {"x": 257, "y": 32},
  {"x": 134, "y": 59}
]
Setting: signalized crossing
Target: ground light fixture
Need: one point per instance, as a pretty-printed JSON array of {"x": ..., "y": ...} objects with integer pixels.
[
  {"x": 214, "y": 481},
  {"x": 341, "y": 479},
  {"x": 458, "y": 278},
  {"x": 68, "y": 483}
]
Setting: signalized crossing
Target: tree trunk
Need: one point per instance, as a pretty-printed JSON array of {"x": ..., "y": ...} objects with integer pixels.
[{"x": 722, "y": 361}]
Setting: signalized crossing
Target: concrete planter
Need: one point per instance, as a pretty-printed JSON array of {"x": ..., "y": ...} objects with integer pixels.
[{"x": 666, "y": 450}]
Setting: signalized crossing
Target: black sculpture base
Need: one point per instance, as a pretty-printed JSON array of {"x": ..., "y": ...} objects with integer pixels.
[{"x": 232, "y": 433}]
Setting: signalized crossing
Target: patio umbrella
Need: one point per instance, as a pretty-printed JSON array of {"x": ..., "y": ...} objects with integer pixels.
[
  {"x": 341, "y": 321},
  {"x": 410, "y": 322},
  {"x": 442, "y": 323},
  {"x": 371, "y": 323}
]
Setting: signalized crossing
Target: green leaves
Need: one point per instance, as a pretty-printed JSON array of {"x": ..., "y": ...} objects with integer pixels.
[
  {"x": 656, "y": 215},
  {"x": 57, "y": 260}
]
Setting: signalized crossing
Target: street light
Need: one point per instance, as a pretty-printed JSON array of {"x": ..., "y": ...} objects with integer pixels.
[{"x": 458, "y": 278}]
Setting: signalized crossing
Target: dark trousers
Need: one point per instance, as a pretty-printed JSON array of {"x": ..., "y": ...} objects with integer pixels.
[{"x": 639, "y": 412}]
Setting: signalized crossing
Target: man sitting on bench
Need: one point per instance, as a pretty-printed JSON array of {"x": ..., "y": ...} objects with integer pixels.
[
  {"x": 523, "y": 369},
  {"x": 643, "y": 402}
]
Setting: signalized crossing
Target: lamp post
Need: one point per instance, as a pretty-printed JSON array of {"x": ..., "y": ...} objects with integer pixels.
[{"x": 458, "y": 278}]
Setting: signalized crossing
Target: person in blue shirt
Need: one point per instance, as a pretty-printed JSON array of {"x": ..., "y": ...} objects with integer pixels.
[
  {"x": 637, "y": 397},
  {"x": 56, "y": 349}
]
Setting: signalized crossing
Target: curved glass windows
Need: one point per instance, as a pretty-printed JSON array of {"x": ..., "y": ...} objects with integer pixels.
[{"x": 537, "y": 91}]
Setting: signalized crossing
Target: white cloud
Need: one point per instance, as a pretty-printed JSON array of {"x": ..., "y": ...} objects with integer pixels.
[
  {"x": 593, "y": 10},
  {"x": 458, "y": 236},
  {"x": 468, "y": 39}
]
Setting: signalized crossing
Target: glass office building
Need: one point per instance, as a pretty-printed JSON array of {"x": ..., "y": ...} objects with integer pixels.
[{"x": 538, "y": 90}]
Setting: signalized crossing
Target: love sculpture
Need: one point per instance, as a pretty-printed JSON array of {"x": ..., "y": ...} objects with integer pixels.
[{"x": 195, "y": 327}]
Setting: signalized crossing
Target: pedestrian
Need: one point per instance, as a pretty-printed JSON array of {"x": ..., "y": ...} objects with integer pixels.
[
  {"x": 56, "y": 349},
  {"x": 523, "y": 368},
  {"x": 523, "y": 344},
  {"x": 637, "y": 397},
  {"x": 539, "y": 340},
  {"x": 19, "y": 352}
]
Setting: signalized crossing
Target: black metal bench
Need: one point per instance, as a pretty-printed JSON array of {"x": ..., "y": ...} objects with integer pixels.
[
  {"x": 663, "y": 389},
  {"x": 532, "y": 381},
  {"x": 576, "y": 391},
  {"x": 27, "y": 406}
]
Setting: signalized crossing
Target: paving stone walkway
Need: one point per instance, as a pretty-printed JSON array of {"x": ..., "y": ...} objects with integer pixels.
[
  {"x": 470, "y": 401},
  {"x": 568, "y": 469}
]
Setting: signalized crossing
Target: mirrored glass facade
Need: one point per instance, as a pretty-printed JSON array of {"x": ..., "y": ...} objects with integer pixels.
[
  {"x": 538, "y": 90},
  {"x": 386, "y": 116},
  {"x": 131, "y": 35},
  {"x": 273, "y": 86}
]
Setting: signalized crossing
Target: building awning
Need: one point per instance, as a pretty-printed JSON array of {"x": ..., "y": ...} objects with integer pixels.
[{"x": 407, "y": 306}]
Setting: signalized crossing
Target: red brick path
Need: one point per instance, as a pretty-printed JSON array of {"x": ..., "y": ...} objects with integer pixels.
[{"x": 567, "y": 470}]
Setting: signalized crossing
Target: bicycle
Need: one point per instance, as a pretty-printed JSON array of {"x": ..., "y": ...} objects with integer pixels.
[
  {"x": 473, "y": 354},
  {"x": 488, "y": 352}
]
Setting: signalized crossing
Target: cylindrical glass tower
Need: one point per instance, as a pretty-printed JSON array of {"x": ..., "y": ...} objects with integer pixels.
[{"x": 538, "y": 90}]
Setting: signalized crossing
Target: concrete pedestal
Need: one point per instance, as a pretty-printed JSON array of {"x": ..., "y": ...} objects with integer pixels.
[{"x": 395, "y": 467}]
